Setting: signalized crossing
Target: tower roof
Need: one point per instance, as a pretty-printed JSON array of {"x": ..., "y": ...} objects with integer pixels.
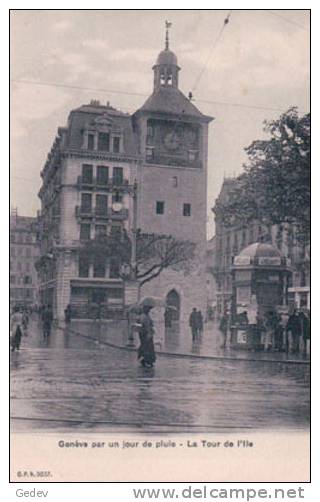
[
  {"x": 167, "y": 57},
  {"x": 170, "y": 100}
]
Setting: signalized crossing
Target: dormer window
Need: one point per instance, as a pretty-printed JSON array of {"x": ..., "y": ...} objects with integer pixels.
[
  {"x": 104, "y": 141},
  {"x": 90, "y": 141},
  {"x": 116, "y": 144}
]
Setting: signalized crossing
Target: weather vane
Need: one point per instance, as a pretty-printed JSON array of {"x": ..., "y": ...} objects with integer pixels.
[{"x": 168, "y": 25}]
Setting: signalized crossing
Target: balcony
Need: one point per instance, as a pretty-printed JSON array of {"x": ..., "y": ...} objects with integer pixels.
[
  {"x": 98, "y": 213},
  {"x": 99, "y": 184}
]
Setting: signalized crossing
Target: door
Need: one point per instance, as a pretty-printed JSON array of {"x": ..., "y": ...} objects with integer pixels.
[{"x": 173, "y": 300}]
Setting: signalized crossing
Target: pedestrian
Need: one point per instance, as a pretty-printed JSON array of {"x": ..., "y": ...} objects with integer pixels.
[
  {"x": 67, "y": 314},
  {"x": 305, "y": 329},
  {"x": 200, "y": 323},
  {"x": 193, "y": 323},
  {"x": 16, "y": 329},
  {"x": 25, "y": 320},
  {"x": 270, "y": 323},
  {"x": 146, "y": 353},
  {"x": 47, "y": 319},
  {"x": 294, "y": 329},
  {"x": 223, "y": 328}
]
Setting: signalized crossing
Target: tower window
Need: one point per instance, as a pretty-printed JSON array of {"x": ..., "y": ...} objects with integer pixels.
[
  {"x": 169, "y": 80},
  {"x": 175, "y": 181},
  {"x": 162, "y": 79},
  {"x": 186, "y": 209},
  {"x": 160, "y": 207}
]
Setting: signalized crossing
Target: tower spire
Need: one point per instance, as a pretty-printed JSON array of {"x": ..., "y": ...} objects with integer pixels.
[{"x": 168, "y": 25}]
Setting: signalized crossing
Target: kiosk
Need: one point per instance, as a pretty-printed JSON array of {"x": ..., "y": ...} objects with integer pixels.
[{"x": 259, "y": 283}]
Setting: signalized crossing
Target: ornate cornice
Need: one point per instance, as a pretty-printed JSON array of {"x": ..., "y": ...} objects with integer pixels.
[{"x": 98, "y": 155}]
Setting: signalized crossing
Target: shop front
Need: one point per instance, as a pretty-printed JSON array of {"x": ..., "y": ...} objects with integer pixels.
[{"x": 93, "y": 299}]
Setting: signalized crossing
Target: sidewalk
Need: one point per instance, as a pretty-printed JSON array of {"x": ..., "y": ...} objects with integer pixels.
[{"x": 178, "y": 343}]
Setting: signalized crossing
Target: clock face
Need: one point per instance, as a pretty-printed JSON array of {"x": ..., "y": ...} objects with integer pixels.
[{"x": 172, "y": 141}]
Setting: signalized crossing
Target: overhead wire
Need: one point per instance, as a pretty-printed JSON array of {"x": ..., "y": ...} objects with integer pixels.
[
  {"x": 286, "y": 19},
  {"x": 223, "y": 103},
  {"x": 212, "y": 49}
]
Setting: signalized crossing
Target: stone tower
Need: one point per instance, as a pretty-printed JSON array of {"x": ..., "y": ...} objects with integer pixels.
[{"x": 173, "y": 143}]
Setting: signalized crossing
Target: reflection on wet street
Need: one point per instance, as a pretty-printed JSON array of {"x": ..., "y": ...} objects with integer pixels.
[{"x": 73, "y": 382}]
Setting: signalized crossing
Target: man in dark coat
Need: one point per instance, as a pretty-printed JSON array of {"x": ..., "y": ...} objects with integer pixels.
[
  {"x": 223, "y": 327},
  {"x": 193, "y": 323},
  {"x": 47, "y": 319},
  {"x": 305, "y": 329},
  {"x": 146, "y": 353},
  {"x": 294, "y": 326}
]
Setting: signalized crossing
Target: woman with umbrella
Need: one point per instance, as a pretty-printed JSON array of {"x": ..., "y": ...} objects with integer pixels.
[{"x": 146, "y": 353}]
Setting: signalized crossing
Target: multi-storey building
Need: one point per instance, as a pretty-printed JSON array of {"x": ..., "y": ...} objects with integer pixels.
[
  {"x": 230, "y": 240},
  {"x": 85, "y": 193},
  {"x": 87, "y": 189},
  {"x": 24, "y": 253}
]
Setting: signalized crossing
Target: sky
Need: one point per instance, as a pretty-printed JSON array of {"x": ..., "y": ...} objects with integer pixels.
[{"x": 255, "y": 70}]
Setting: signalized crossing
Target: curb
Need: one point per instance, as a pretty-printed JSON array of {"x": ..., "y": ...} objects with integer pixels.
[{"x": 182, "y": 355}]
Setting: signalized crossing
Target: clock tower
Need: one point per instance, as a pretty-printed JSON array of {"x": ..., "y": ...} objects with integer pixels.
[{"x": 173, "y": 144}]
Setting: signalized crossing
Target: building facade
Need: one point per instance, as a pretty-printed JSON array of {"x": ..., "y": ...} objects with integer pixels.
[
  {"x": 85, "y": 195},
  {"x": 173, "y": 143},
  {"x": 231, "y": 240},
  {"x": 24, "y": 253},
  {"x": 88, "y": 190}
]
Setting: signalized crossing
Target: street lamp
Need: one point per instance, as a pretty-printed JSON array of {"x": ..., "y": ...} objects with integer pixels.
[{"x": 133, "y": 260}]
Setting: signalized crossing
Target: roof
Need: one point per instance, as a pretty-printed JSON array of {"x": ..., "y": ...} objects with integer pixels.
[
  {"x": 167, "y": 57},
  {"x": 260, "y": 250},
  {"x": 172, "y": 101},
  {"x": 81, "y": 117}
]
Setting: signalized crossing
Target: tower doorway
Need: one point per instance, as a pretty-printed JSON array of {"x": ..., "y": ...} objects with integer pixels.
[{"x": 173, "y": 300}]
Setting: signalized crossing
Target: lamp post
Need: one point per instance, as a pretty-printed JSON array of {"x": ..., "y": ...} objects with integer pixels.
[
  {"x": 134, "y": 232},
  {"x": 133, "y": 262}
]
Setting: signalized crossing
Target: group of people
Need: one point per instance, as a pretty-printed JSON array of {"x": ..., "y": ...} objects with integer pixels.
[
  {"x": 196, "y": 324},
  {"x": 279, "y": 331},
  {"x": 286, "y": 333}
]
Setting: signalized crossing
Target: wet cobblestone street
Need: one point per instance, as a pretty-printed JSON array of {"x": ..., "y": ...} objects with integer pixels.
[{"x": 70, "y": 382}]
